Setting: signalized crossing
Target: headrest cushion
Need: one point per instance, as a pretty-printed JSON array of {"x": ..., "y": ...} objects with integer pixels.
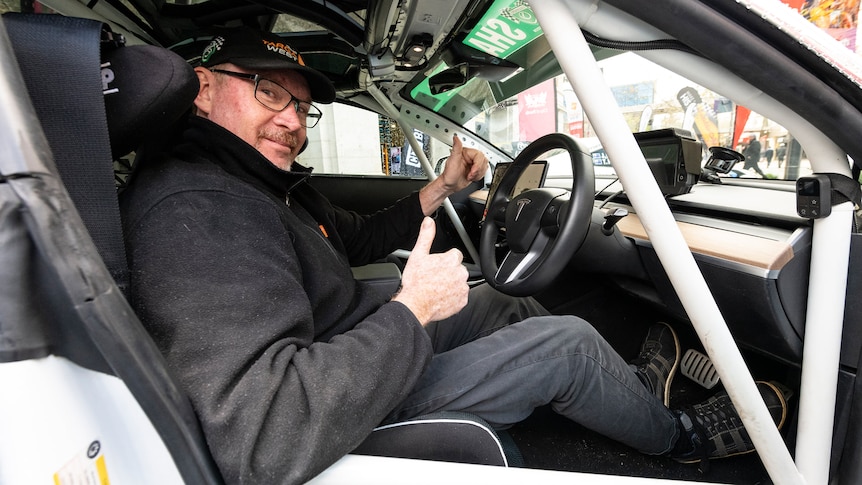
[{"x": 146, "y": 89}]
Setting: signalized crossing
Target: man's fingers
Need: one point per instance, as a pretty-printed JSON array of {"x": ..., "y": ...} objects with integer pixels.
[
  {"x": 479, "y": 167},
  {"x": 456, "y": 255},
  {"x": 426, "y": 236},
  {"x": 456, "y": 144}
]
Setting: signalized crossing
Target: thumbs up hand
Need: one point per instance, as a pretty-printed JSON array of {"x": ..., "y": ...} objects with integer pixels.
[
  {"x": 433, "y": 286},
  {"x": 464, "y": 165}
]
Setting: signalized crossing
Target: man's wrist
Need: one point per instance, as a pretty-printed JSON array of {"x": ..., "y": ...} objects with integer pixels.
[
  {"x": 432, "y": 195},
  {"x": 440, "y": 186},
  {"x": 412, "y": 307}
]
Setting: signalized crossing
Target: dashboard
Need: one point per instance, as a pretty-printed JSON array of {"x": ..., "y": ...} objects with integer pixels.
[{"x": 750, "y": 245}]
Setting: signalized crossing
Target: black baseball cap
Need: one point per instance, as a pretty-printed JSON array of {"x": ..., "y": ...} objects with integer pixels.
[{"x": 252, "y": 49}]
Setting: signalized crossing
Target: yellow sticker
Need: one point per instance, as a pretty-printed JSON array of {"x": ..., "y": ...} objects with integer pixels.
[{"x": 86, "y": 468}]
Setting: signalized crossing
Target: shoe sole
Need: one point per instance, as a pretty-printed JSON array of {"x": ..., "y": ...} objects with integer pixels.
[
  {"x": 781, "y": 398},
  {"x": 675, "y": 366}
]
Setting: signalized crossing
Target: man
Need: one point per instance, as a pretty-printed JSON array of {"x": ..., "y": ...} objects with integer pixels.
[
  {"x": 241, "y": 272},
  {"x": 781, "y": 152},
  {"x": 751, "y": 152}
]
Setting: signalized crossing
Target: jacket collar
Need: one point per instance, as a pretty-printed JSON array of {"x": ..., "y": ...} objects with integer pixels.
[{"x": 209, "y": 140}]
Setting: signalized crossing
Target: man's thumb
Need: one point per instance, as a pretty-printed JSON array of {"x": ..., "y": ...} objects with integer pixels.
[
  {"x": 426, "y": 236},
  {"x": 456, "y": 144}
]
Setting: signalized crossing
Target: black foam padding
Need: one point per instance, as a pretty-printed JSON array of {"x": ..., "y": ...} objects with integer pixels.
[{"x": 146, "y": 89}]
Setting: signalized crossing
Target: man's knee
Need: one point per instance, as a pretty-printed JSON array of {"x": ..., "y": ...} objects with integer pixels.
[{"x": 565, "y": 331}]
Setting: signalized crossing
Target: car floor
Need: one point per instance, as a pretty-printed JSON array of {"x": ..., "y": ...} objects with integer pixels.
[{"x": 549, "y": 441}]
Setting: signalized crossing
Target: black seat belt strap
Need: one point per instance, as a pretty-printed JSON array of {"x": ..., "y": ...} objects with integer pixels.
[
  {"x": 65, "y": 84},
  {"x": 844, "y": 189}
]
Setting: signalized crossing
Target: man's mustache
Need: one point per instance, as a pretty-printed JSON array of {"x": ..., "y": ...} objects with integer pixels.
[{"x": 283, "y": 137}]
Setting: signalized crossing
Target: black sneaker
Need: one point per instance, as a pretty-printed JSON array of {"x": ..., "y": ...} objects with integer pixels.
[
  {"x": 658, "y": 360},
  {"x": 713, "y": 428}
]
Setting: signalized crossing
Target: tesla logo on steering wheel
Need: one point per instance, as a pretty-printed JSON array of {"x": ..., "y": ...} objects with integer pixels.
[{"x": 521, "y": 204}]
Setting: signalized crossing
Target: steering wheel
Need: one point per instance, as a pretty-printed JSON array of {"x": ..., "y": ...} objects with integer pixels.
[{"x": 544, "y": 227}]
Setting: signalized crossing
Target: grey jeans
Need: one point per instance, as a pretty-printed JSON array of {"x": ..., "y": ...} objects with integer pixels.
[{"x": 501, "y": 357}]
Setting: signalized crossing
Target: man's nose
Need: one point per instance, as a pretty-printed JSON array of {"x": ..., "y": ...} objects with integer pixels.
[{"x": 289, "y": 118}]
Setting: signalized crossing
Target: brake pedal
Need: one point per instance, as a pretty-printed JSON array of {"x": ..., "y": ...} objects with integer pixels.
[{"x": 698, "y": 367}]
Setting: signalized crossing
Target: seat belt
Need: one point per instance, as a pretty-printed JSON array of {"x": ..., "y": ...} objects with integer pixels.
[
  {"x": 60, "y": 60},
  {"x": 65, "y": 85}
]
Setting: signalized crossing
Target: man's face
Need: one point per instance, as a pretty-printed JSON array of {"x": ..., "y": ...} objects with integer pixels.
[{"x": 229, "y": 102}]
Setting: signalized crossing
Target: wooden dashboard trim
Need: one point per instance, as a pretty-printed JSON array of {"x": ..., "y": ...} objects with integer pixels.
[{"x": 733, "y": 246}]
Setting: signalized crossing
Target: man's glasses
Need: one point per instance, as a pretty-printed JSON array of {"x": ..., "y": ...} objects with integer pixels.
[{"x": 273, "y": 96}]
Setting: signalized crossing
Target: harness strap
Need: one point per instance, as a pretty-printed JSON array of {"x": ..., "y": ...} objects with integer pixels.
[
  {"x": 844, "y": 189},
  {"x": 65, "y": 84}
]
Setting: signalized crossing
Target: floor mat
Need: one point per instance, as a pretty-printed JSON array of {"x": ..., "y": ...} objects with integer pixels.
[{"x": 549, "y": 441}]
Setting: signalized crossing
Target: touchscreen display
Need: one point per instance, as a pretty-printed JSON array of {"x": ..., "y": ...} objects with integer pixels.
[{"x": 532, "y": 178}]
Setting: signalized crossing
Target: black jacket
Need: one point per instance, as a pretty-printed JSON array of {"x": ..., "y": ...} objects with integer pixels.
[{"x": 288, "y": 361}]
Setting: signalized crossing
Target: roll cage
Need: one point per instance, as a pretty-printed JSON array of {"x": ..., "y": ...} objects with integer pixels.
[{"x": 761, "y": 52}]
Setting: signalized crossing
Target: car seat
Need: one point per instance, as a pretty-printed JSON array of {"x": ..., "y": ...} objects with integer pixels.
[
  {"x": 81, "y": 334},
  {"x": 96, "y": 100}
]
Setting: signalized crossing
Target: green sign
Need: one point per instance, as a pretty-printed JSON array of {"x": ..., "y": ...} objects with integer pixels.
[{"x": 507, "y": 26}]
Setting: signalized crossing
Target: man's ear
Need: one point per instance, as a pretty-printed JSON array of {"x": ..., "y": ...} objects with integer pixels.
[{"x": 203, "y": 101}]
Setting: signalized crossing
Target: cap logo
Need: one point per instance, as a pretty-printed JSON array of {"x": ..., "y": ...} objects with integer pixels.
[
  {"x": 284, "y": 50},
  {"x": 213, "y": 47}
]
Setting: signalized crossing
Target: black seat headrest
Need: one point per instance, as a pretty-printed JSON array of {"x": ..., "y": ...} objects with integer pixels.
[
  {"x": 91, "y": 118},
  {"x": 146, "y": 89}
]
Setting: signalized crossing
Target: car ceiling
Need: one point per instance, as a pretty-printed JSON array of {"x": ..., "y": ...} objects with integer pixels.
[
  {"x": 363, "y": 24},
  {"x": 362, "y": 31},
  {"x": 365, "y": 30}
]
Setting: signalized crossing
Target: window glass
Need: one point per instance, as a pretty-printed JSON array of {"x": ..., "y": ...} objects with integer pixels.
[
  {"x": 355, "y": 141},
  {"x": 512, "y": 109},
  {"x": 650, "y": 98}
]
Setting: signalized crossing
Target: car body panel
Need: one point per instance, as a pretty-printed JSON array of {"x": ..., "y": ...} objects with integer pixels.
[{"x": 734, "y": 260}]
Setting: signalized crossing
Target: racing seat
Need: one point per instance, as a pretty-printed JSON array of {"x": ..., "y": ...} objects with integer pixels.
[
  {"x": 83, "y": 323},
  {"x": 89, "y": 120}
]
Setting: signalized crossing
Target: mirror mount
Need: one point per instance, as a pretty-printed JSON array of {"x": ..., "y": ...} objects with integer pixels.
[
  {"x": 449, "y": 79},
  {"x": 468, "y": 63}
]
